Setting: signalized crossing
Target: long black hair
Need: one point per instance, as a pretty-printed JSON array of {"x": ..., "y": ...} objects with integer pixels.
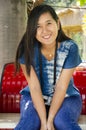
[{"x": 26, "y": 46}]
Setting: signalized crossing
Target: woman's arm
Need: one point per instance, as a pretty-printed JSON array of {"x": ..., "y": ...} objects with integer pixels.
[
  {"x": 60, "y": 92},
  {"x": 36, "y": 94}
]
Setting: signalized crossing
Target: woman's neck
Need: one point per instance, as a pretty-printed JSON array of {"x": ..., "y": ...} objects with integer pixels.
[
  {"x": 48, "y": 51},
  {"x": 48, "y": 47}
]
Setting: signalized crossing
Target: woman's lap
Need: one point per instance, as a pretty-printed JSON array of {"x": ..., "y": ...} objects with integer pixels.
[
  {"x": 67, "y": 116},
  {"x": 29, "y": 119},
  {"x": 64, "y": 119}
]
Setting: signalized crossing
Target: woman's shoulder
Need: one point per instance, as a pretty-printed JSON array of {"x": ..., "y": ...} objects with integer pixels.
[{"x": 69, "y": 44}]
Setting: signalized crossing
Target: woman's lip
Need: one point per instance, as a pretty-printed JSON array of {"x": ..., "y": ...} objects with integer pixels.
[{"x": 46, "y": 37}]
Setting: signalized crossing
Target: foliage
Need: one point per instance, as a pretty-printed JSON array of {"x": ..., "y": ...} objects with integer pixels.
[
  {"x": 77, "y": 37},
  {"x": 65, "y": 3},
  {"x": 82, "y": 2}
]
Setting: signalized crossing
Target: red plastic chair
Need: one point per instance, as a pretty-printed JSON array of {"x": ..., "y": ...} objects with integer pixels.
[
  {"x": 79, "y": 77},
  {"x": 10, "y": 87}
]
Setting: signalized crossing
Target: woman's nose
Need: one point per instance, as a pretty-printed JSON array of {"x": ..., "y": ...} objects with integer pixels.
[{"x": 44, "y": 29}]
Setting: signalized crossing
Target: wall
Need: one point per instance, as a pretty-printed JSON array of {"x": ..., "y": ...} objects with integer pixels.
[{"x": 12, "y": 27}]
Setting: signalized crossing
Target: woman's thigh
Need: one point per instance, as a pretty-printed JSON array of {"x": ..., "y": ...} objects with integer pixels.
[
  {"x": 68, "y": 114},
  {"x": 29, "y": 119}
]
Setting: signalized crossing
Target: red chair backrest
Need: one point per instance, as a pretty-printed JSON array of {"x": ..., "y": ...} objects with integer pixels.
[
  {"x": 11, "y": 83},
  {"x": 80, "y": 78}
]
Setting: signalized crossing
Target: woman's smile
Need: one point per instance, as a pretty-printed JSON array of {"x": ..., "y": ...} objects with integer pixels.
[{"x": 46, "y": 36}]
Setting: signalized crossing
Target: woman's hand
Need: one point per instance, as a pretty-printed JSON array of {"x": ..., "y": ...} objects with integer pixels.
[
  {"x": 43, "y": 127},
  {"x": 50, "y": 125}
]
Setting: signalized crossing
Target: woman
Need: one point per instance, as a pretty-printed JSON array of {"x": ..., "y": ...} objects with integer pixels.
[{"x": 48, "y": 59}]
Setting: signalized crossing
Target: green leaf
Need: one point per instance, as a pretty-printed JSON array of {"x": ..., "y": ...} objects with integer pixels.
[{"x": 82, "y": 2}]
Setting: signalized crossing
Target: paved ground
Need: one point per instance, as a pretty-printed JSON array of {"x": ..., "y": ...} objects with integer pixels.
[{"x": 8, "y": 120}]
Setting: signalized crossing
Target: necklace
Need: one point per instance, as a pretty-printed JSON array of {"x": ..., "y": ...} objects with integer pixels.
[{"x": 49, "y": 54}]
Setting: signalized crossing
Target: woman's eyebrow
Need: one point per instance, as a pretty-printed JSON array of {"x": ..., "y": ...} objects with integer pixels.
[
  {"x": 48, "y": 20},
  {"x": 45, "y": 21}
]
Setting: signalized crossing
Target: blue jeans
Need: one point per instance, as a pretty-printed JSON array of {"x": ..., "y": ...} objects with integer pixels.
[{"x": 65, "y": 119}]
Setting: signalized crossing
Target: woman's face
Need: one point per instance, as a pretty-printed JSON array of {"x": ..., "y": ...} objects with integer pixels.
[{"x": 47, "y": 29}]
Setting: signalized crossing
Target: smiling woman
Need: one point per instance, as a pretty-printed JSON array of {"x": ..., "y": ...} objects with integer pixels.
[{"x": 48, "y": 59}]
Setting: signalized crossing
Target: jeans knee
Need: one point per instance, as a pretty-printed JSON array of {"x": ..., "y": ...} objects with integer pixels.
[
  {"x": 59, "y": 123},
  {"x": 25, "y": 124},
  {"x": 64, "y": 124}
]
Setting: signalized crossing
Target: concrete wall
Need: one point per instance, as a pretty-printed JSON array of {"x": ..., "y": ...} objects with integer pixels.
[{"x": 12, "y": 27}]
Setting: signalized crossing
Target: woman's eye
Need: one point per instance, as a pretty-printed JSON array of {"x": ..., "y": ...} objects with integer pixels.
[
  {"x": 49, "y": 23},
  {"x": 38, "y": 26}
]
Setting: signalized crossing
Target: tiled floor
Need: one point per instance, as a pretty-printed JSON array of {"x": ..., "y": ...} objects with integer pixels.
[
  {"x": 10, "y": 120},
  {"x": 82, "y": 122}
]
